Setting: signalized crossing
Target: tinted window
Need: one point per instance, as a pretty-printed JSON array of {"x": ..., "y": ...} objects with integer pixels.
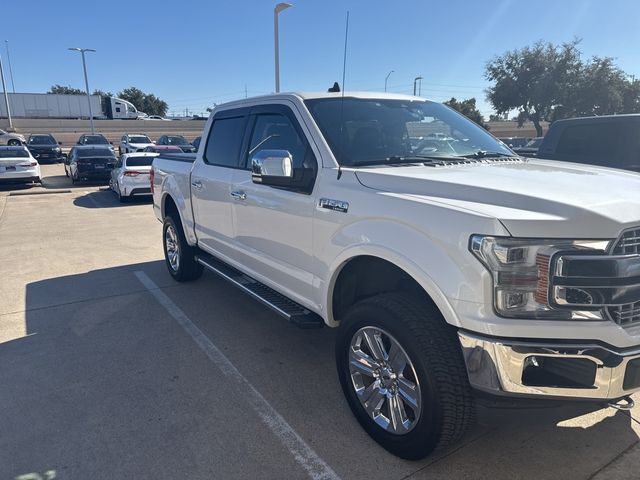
[
  {"x": 139, "y": 161},
  {"x": 95, "y": 152},
  {"x": 94, "y": 140},
  {"x": 276, "y": 132},
  {"x": 41, "y": 140},
  {"x": 364, "y": 131},
  {"x": 177, "y": 140},
  {"x": 595, "y": 143},
  {"x": 139, "y": 139},
  {"x": 11, "y": 153},
  {"x": 225, "y": 141}
]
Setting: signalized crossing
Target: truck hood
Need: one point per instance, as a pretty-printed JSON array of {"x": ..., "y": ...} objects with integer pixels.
[{"x": 532, "y": 198}]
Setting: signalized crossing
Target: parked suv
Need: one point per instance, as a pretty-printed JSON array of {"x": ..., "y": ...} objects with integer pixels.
[
  {"x": 45, "y": 148},
  {"x": 134, "y": 142},
  {"x": 608, "y": 141}
]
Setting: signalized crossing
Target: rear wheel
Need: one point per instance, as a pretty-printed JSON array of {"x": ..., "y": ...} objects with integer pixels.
[
  {"x": 13, "y": 142},
  {"x": 402, "y": 372},
  {"x": 179, "y": 255}
]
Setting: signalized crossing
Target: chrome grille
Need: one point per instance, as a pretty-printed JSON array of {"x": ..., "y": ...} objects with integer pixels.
[
  {"x": 628, "y": 243},
  {"x": 629, "y": 314}
]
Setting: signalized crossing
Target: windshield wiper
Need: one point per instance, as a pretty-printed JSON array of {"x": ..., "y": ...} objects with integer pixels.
[
  {"x": 485, "y": 154},
  {"x": 399, "y": 159}
]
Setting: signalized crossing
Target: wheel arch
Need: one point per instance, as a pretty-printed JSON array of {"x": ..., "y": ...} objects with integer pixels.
[{"x": 381, "y": 271}]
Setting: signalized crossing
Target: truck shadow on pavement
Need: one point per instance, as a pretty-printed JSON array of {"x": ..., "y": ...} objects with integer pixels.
[
  {"x": 105, "y": 198},
  {"x": 103, "y": 383}
]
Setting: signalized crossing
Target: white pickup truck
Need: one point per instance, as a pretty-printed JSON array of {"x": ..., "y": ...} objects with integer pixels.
[{"x": 451, "y": 267}]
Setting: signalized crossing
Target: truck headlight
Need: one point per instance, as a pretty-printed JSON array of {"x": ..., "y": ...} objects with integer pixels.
[{"x": 520, "y": 272}]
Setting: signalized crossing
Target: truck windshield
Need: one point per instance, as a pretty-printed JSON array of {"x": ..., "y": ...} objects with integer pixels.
[{"x": 367, "y": 131}]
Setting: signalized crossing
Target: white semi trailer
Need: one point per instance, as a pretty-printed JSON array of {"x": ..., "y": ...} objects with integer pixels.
[{"x": 50, "y": 105}]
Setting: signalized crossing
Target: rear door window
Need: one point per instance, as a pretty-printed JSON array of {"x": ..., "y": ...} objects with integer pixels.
[
  {"x": 225, "y": 141},
  {"x": 592, "y": 143}
]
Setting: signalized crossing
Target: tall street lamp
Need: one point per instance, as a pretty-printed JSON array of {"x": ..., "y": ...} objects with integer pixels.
[
  {"x": 415, "y": 82},
  {"x": 13, "y": 85},
  {"x": 387, "y": 78},
  {"x": 86, "y": 81},
  {"x": 279, "y": 8},
  {"x": 6, "y": 96}
]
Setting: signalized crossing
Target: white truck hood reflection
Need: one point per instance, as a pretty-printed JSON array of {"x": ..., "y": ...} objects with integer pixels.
[{"x": 532, "y": 198}]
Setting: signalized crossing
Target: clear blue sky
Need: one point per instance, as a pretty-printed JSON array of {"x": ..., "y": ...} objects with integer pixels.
[{"x": 193, "y": 54}]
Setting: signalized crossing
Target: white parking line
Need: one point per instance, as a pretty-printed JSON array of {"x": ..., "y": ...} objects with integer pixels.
[{"x": 302, "y": 453}]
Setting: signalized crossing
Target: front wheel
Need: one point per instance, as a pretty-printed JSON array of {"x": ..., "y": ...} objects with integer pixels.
[
  {"x": 179, "y": 255},
  {"x": 402, "y": 372},
  {"x": 13, "y": 142}
]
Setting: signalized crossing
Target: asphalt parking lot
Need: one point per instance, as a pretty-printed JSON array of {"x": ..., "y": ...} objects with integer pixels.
[{"x": 109, "y": 369}]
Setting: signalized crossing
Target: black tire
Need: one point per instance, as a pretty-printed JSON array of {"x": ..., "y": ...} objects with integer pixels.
[
  {"x": 73, "y": 178},
  {"x": 447, "y": 406},
  {"x": 122, "y": 198},
  {"x": 187, "y": 269},
  {"x": 13, "y": 142}
]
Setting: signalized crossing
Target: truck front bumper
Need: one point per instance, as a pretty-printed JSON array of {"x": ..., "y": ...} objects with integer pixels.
[{"x": 550, "y": 369}]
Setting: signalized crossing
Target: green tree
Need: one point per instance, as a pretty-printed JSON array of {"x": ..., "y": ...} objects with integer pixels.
[
  {"x": 145, "y": 102},
  {"x": 468, "y": 109},
  {"x": 533, "y": 80},
  {"x": 68, "y": 90},
  {"x": 103, "y": 93}
]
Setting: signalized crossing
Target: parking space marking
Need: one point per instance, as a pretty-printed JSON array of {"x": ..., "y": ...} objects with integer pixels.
[{"x": 303, "y": 454}]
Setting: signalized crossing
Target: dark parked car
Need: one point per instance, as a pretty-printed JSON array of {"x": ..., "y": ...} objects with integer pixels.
[
  {"x": 178, "y": 141},
  {"x": 609, "y": 141},
  {"x": 90, "y": 162},
  {"x": 196, "y": 142},
  {"x": 530, "y": 149},
  {"x": 94, "y": 139},
  {"x": 45, "y": 148}
]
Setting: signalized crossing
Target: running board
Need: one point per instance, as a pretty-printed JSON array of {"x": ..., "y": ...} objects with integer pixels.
[{"x": 292, "y": 311}]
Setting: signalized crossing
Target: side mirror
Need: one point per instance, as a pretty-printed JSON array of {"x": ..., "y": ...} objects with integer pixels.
[
  {"x": 272, "y": 167},
  {"x": 59, "y": 143}
]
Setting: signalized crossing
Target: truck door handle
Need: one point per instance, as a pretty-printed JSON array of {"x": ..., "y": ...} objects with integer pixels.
[
  {"x": 239, "y": 195},
  {"x": 197, "y": 184}
]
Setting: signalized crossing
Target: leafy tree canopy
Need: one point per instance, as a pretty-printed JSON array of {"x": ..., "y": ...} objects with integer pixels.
[
  {"x": 468, "y": 109},
  {"x": 547, "y": 82}
]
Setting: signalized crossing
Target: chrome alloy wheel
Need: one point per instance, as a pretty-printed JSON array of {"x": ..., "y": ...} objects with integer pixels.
[
  {"x": 172, "y": 247},
  {"x": 384, "y": 380}
]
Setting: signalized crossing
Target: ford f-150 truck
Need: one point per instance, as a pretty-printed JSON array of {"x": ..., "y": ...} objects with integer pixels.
[{"x": 451, "y": 267}]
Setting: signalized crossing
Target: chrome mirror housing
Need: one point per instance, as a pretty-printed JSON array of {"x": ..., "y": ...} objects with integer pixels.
[{"x": 271, "y": 163}]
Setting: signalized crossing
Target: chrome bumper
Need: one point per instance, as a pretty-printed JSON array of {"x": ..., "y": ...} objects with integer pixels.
[{"x": 506, "y": 367}]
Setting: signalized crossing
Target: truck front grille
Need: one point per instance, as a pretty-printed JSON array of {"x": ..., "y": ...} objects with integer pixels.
[
  {"x": 629, "y": 314},
  {"x": 628, "y": 243}
]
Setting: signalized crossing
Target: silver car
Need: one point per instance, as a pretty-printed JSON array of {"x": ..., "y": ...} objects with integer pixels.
[
  {"x": 130, "y": 177},
  {"x": 12, "y": 139}
]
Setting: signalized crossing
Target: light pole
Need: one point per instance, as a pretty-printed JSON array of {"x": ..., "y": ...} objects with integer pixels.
[
  {"x": 13, "y": 85},
  {"x": 415, "y": 81},
  {"x": 6, "y": 96},
  {"x": 387, "y": 78},
  {"x": 279, "y": 8},
  {"x": 86, "y": 81}
]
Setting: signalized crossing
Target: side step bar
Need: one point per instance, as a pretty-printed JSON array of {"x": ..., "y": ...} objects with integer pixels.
[{"x": 292, "y": 311}]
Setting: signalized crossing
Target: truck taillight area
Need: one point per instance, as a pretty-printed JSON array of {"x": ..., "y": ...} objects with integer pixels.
[{"x": 151, "y": 175}]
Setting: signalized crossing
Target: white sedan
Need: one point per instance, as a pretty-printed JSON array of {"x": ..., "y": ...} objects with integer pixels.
[
  {"x": 17, "y": 165},
  {"x": 130, "y": 177}
]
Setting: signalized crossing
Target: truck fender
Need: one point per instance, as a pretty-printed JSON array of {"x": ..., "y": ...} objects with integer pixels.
[
  {"x": 406, "y": 264},
  {"x": 172, "y": 193}
]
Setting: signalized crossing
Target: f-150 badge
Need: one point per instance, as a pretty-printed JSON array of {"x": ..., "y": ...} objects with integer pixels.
[{"x": 336, "y": 205}]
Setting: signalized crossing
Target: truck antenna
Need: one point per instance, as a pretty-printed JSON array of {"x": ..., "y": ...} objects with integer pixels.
[{"x": 344, "y": 70}]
